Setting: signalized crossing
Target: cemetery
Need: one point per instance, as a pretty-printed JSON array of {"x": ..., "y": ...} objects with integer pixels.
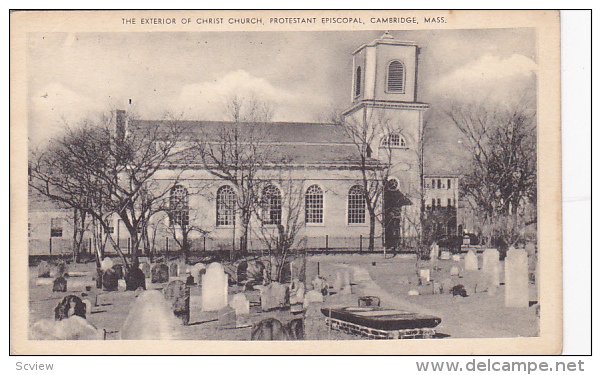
[{"x": 319, "y": 297}]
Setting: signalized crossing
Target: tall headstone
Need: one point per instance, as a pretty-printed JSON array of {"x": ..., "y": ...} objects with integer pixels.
[
  {"x": 491, "y": 266},
  {"x": 145, "y": 268},
  {"x": 516, "y": 278},
  {"x": 173, "y": 270},
  {"x": 178, "y": 294},
  {"x": 471, "y": 261},
  {"x": 214, "y": 288}
]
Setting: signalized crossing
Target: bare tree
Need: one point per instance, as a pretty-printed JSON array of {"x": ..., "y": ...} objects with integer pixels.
[
  {"x": 102, "y": 170},
  {"x": 501, "y": 141},
  {"x": 237, "y": 153},
  {"x": 281, "y": 219},
  {"x": 365, "y": 133}
]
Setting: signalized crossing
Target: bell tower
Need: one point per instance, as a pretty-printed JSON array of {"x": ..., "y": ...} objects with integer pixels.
[
  {"x": 385, "y": 69},
  {"x": 384, "y": 101}
]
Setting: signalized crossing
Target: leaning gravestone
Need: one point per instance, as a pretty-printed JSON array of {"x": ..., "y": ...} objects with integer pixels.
[
  {"x": 159, "y": 273},
  {"x": 516, "y": 278},
  {"x": 178, "y": 293},
  {"x": 135, "y": 279},
  {"x": 274, "y": 296},
  {"x": 173, "y": 270},
  {"x": 471, "y": 261},
  {"x": 150, "y": 318},
  {"x": 43, "y": 269},
  {"x": 59, "y": 284},
  {"x": 214, "y": 288},
  {"x": 110, "y": 281}
]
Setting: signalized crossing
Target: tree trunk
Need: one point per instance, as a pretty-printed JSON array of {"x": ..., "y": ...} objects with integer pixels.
[
  {"x": 244, "y": 236},
  {"x": 372, "y": 231}
]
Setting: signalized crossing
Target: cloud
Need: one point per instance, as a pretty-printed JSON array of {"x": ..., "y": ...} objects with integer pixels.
[
  {"x": 206, "y": 100},
  {"x": 489, "y": 78},
  {"x": 53, "y": 106}
]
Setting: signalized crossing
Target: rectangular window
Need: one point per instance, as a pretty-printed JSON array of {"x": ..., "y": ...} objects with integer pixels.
[
  {"x": 433, "y": 184},
  {"x": 56, "y": 227},
  {"x": 438, "y": 202},
  {"x": 449, "y": 183},
  {"x": 449, "y": 202},
  {"x": 433, "y": 202},
  {"x": 439, "y": 183}
]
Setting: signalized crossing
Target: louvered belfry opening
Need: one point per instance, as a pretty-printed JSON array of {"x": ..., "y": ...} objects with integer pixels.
[{"x": 396, "y": 77}]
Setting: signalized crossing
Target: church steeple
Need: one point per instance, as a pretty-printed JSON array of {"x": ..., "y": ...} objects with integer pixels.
[{"x": 385, "y": 70}]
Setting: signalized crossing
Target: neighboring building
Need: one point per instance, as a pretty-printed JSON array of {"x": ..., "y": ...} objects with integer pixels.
[
  {"x": 322, "y": 160},
  {"x": 441, "y": 202}
]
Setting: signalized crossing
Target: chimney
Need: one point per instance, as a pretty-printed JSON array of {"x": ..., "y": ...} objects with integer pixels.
[{"x": 120, "y": 124}]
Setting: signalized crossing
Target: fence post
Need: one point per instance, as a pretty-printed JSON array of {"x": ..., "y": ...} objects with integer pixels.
[
  {"x": 166, "y": 245},
  {"x": 50, "y": 245},
  {"x": 326, "y": 242},
  {"x": 204, "y": 244},
  {"x": 90, "y": 245},
  {"x": 360, "y": 243}
]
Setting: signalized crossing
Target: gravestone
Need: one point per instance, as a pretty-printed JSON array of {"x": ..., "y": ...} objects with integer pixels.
[
  {"x": 297, "y": 292},
  {"x": 178, "y": 294},
  {"x": 254, "y": 271},
  {"x": 413, "y": 292},
  {"x": 274, "y": 296},
  {"x": 190, "y": 280},
  {"x": 445, "y": 255},
  {"x": 516, "y": 278},
  {"x": 58, "y": 269},
  {"x": 447, "y": 285},
  {"x": 110, "y": 282},
  {"x": 241, "y": 274},
  {"x": 173, "y": 270},
  {"x": 197, "y": 271},
  {"x": 69, "y": 306},
  {"x": 366, "y": 301},
  {"x": 135, "y": 279},
  {"x": 491, "y": 266},
  {"x": 106, "y": 264},
  {"x": 297, "y": 268},
  {"x": 424, "y": 275},
  {"x": 471, "y": 261},
  {"x": 145, "y": 268},
  {"x": 214, "y": 288},
  {"x": 240, "y": 304},
  {"x": 159, "y": 273},
  {"x": 59, "y": 284},
  {"x": 437, "y": 288},
  {"x": 338, "y": 282},
  {"x": 320, "y": 284},
  {"x": 312, "y": 296},
  {"x": 346, "y": 283},
  {"x": 118, "y": 268},
  {"x": 456, "y": 258},
  {"x": 434, "y": 253},
  {"x": 455, "y": 271},
  {"x": 226, "y": 317},
  {"x": 43, "y": 269},
  {"x": 151, "y": 318}
]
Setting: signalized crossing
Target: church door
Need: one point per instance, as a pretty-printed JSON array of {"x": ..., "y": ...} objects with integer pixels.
[{"x": 393, "y": 201}]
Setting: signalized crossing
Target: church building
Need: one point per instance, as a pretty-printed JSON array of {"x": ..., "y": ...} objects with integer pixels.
[{"x": 323, "y": 162}]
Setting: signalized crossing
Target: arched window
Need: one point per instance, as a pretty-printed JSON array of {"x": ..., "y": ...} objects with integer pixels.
[
  {"x": 394, "y": 140},
  {"x": 396, "y": 77},
  {"x": 356, "y": 205},
  {"x": 178, "y": 206},
  {"x": 358, "y": 81},
  {"x": 314, "y": 205},
  {"x": 226, "y": 206},
  {"x": 271, "y": 205}
]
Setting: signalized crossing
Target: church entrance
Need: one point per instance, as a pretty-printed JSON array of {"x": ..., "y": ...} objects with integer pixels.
[{"x": 394, "y": 200}]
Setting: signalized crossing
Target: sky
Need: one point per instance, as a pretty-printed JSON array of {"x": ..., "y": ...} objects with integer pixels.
[{"x": 304, "y": 75}]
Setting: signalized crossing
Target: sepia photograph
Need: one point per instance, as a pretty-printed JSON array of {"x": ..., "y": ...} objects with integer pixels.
[{"x": 318, "y": 182}]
